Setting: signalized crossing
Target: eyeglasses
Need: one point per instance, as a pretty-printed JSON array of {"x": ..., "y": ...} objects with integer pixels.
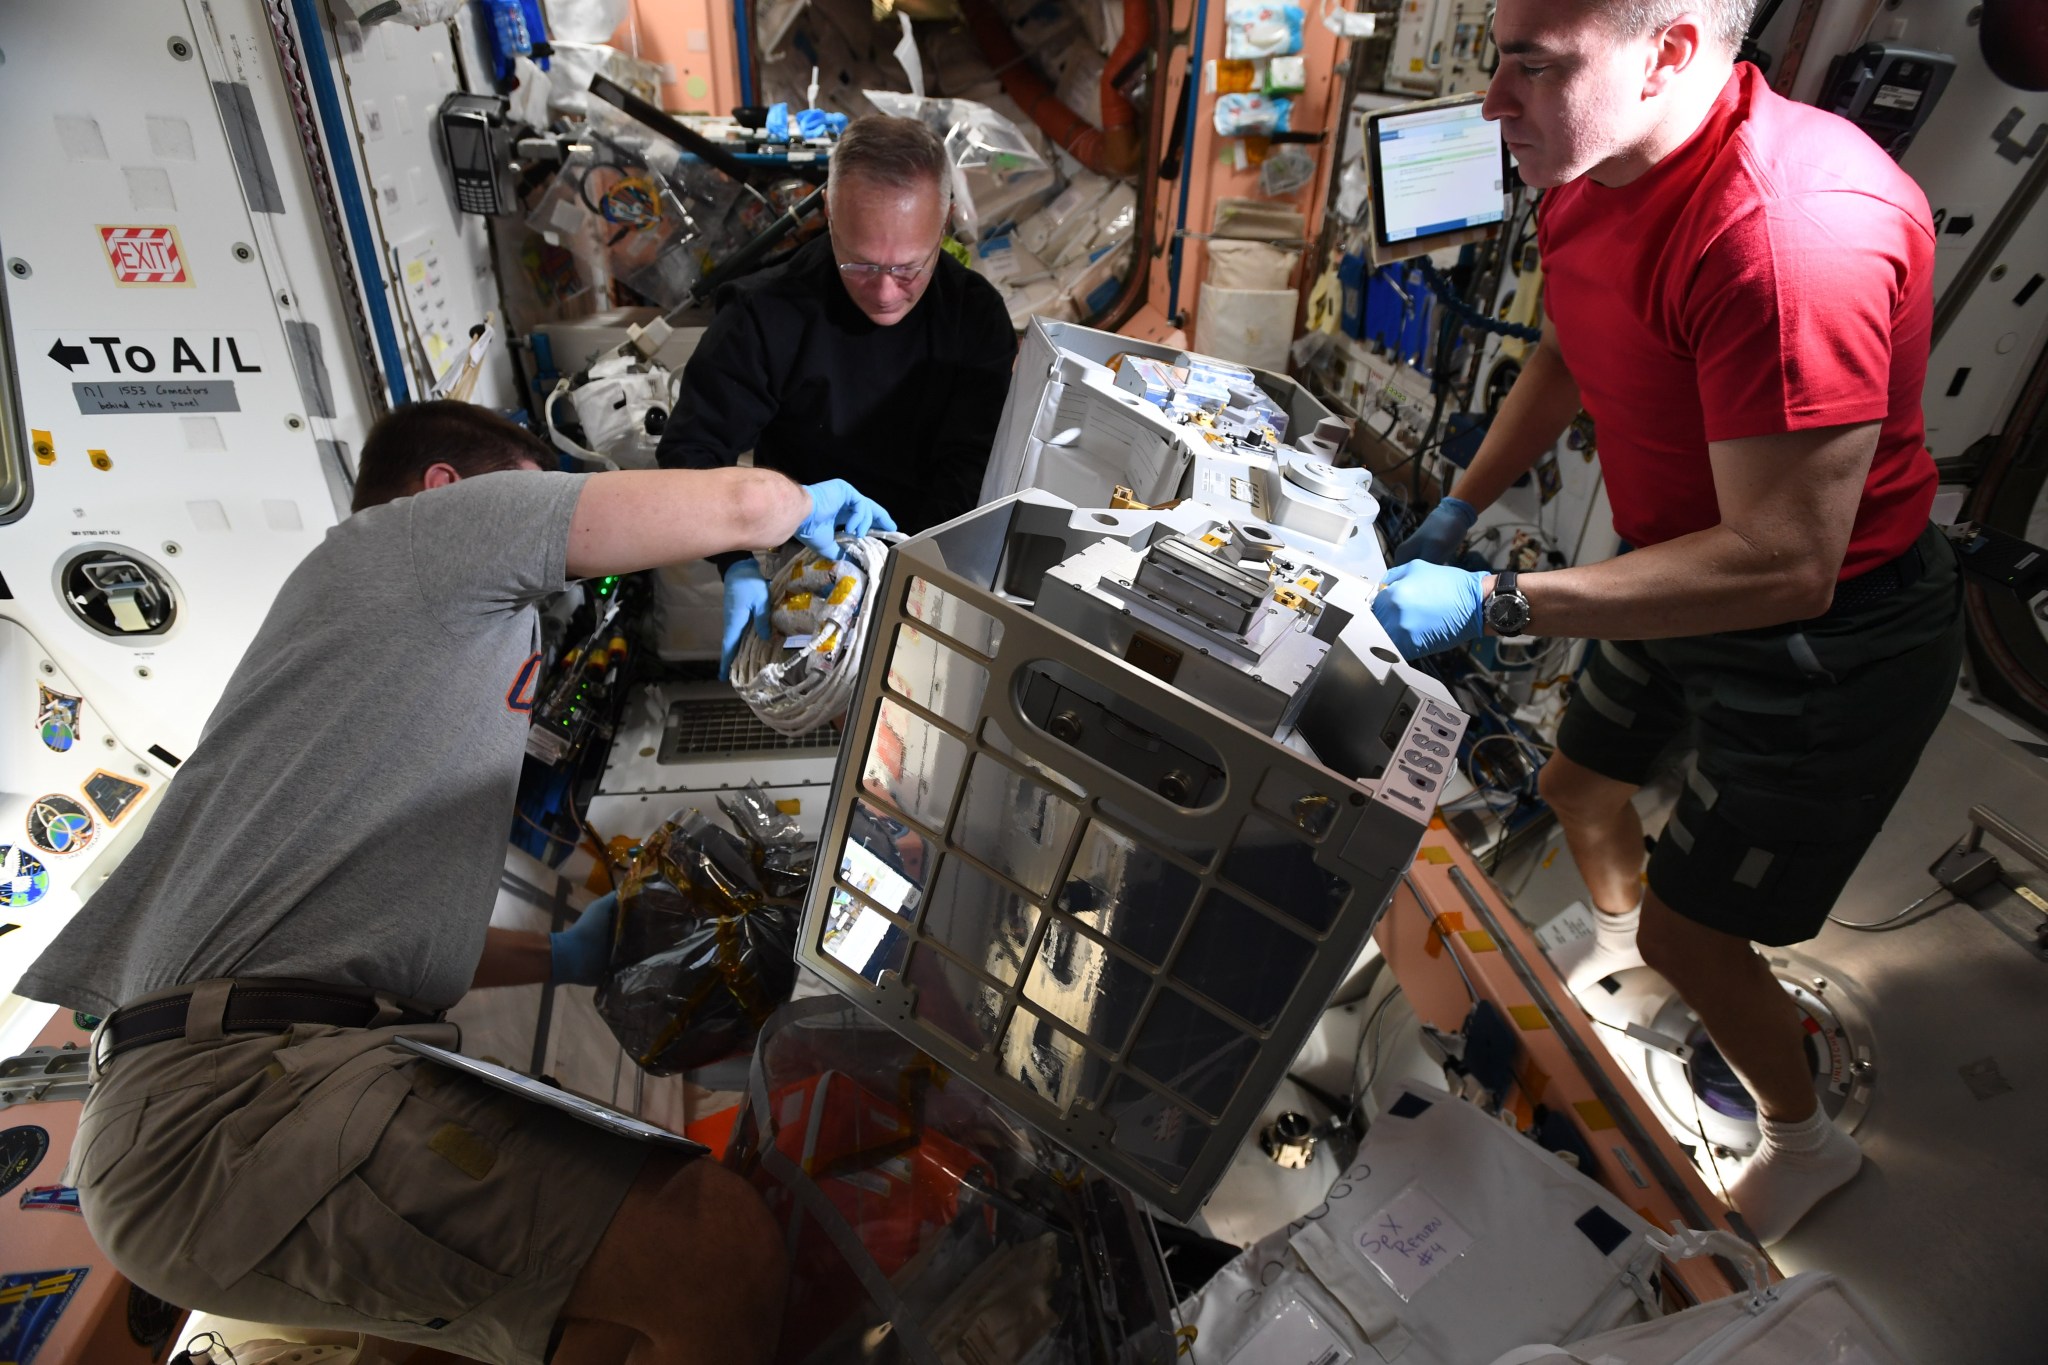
[
  {"x": 861, "y": 270},
  {"x": 905, "y": 274}
]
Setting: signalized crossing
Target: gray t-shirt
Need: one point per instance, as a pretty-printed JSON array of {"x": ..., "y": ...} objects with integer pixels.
[{"x": 344, "y": 818}]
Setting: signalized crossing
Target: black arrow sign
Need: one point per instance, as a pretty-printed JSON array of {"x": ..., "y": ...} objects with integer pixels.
[{"x": 67, "y": 356}]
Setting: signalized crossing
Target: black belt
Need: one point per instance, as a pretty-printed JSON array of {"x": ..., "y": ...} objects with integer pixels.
[
  {"x": 253, "y": 1007},
  {"x": 1866, "y": 590}
]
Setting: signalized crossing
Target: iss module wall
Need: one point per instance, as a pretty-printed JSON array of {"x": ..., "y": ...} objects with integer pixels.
[{"x": 187, "y": 385}]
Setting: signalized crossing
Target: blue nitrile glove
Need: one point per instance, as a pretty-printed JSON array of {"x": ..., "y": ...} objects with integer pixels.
[
  {"x": 811, "y": 123},
  {"x": 583, "y": 951},
  {"x": 1427, "y": 607},
  {"x": 836, "y": 506},
  {"x": 776, "y": 125},
  {"x": 746, "y": 604},
  {"x": 1440, "y": 534}
]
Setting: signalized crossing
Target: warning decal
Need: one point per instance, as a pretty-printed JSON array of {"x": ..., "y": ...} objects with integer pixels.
[{"x": 144, "y": 255}]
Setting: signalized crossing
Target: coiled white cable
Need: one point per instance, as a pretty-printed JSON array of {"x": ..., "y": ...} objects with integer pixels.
[{"x": 794, "y": 691}]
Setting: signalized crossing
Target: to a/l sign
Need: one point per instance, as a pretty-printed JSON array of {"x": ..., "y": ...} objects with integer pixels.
[{"x": 91, "y": 354}]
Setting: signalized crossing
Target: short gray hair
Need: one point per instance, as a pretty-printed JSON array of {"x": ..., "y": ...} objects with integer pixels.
[
  {"x": 1727, "y": 20},
  {"x": 899, "y": 152}
]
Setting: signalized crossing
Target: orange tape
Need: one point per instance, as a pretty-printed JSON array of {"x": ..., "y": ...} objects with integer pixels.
[{"x": 1594, "y": 1114}]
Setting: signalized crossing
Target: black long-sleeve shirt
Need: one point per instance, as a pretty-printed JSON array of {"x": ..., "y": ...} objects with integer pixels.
[{"x": 794, "y": 371}]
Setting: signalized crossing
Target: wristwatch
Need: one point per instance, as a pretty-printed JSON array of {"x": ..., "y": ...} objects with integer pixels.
[{"x": 1506, "y": 611}]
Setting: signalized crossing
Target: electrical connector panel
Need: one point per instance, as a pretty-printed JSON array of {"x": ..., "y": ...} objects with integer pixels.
[{"x": 1243, "y": 630}]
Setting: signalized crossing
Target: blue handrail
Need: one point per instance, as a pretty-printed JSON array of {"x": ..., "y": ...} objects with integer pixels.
[{"x": 335, "y": 126}]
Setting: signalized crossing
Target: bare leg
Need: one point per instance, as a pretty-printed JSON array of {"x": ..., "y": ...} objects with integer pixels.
[
  {"x": 1606, "y": 839},
  {"x": 1602, "y": 829},
  {"x": 1802, "y": 1155},
  {"x": 1747, "y": 1013},
  {"x": 690, "y": 1272}
]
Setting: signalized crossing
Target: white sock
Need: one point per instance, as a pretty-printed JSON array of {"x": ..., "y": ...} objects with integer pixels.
[
  {"x": 1794, "y": 1166},
  {"x": 1614, "y": 949}
]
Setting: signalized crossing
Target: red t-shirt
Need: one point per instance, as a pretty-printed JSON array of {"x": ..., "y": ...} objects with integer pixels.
[{"x": 1774, "y": 274}]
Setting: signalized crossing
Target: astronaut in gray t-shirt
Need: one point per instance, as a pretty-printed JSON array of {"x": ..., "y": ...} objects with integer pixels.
[{"x": 343, "y": 819}]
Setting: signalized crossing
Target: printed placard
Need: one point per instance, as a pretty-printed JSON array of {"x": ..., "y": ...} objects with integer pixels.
[
  {"x": 109, "y": 355},
  {"x": 1567, "y": 929},
  {"x": 145, "y": 256},
  {"x": 1411, "y": 1240}
]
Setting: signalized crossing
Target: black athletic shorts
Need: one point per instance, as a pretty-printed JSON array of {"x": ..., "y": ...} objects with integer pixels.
[{"x": 1803, "y": 737}]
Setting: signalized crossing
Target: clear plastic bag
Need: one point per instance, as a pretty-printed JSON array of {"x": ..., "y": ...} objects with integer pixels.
[
  {"x": 630, "y": 207},
  {"x": 1252, "y": 115},
  {"x": 998, "y": 176},
  {"x": 1286, "y": 169},
  {"x": 575, "y": 63},
  {"x": 1255, "y": 28},
  {"x": 703, "y": 949},
  {"x": 585, "y": 21},
  {"x": 803, "y": 676},
  {"x": 615, "y": 216},
  {"x": 926, "y": 1224}
]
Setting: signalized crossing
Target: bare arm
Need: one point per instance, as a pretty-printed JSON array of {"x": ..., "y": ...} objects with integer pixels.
[
  {"x": 632, "y": 519},
  {"x": 1788, "y": 505},
  {"x": 513, "y": 958},
  {"x": 1542, "y": 403}
]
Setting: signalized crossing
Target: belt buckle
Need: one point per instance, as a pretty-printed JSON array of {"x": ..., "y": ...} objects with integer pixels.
[{"x": 96, "y": 1057}]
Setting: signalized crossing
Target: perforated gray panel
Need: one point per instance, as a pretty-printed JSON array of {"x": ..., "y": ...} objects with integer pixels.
[{"x": 721, "y": 727}]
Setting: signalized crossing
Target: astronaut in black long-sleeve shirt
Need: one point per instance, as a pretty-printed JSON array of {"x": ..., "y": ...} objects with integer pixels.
[{"x": 871, "y": 355}]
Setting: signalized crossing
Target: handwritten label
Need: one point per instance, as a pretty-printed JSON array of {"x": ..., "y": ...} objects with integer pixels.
[
  {"x": 1293, "y": 1336},
  {"x": 1410, "y": 1240},
  {"x": 105, "y": 400}
]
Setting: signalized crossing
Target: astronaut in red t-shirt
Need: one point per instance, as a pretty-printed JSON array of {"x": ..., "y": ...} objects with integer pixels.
[{"x": 1739, "y": 292}]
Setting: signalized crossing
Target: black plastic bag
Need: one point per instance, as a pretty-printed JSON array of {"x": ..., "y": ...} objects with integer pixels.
[{"x": 704, "y": 947}]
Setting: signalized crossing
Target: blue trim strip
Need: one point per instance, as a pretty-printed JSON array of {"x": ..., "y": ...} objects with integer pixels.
[
  {"x": 1187, "y": 161},
  {"x": 343, "y": 163},
  {"x": 744, "y": 44}
]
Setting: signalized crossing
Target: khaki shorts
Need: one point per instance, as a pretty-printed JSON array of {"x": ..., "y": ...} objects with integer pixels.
[{"x": 327, "y": 1178}]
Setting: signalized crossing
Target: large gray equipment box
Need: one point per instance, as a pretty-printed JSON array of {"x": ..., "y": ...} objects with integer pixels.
[{"x": 1124, "y": 791}]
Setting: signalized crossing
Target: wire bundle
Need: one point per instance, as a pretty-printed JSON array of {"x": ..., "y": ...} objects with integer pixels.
[{"x": 796, "y": 690}]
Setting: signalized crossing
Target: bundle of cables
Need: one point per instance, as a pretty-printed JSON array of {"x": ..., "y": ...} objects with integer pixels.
[{"x": 805, "y": 673}]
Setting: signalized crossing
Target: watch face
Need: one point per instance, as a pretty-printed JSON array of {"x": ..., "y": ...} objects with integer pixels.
[{"x": 1508, "y": 615}]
